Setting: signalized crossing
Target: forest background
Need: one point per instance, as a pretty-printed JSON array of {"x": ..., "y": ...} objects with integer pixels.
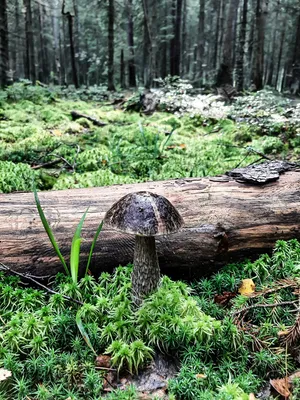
[{"x": 130, "y": 43}]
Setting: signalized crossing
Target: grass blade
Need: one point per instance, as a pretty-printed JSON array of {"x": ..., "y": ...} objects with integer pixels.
[
  {"x": 75, "y": 250},
  {"x": 99, "y": 229},
  {"x": 49, "y": 231},
  {"x": 83, "y": 331}
]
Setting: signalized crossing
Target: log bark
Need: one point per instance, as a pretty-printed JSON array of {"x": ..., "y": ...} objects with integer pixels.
[{"x": 225, "y": 221}]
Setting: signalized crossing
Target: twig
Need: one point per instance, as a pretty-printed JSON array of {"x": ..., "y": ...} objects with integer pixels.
[
  {"x": 47, "y": 164},
  {"x": 283, "y": 303},
  {"x": 104, "y": 377},
  {"x": 106, "y": 369},
  {"x": 28, "y": 277},
  {"x": 282, "y": 284}
]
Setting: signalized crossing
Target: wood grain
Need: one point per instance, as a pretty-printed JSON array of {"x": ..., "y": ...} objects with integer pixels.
[{"x": 224, "y": 222}]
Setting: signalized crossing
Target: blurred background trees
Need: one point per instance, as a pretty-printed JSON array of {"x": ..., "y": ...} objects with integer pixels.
[{"x": 132, "y": 42}]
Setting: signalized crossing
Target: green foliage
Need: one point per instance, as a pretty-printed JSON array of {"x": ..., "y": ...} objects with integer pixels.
[
  {"x": 15, "y": 177},
  {"x": 268, "y": 145},
  {"x": 75, "y": 246}
]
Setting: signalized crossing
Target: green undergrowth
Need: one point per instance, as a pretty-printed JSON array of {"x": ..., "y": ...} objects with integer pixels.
[
  {"x": 224, "y": 352},
  {"x": 39, "y": 137}
]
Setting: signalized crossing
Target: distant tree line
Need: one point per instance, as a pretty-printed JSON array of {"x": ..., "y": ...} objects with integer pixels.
[{"x": 246, "y": 43}]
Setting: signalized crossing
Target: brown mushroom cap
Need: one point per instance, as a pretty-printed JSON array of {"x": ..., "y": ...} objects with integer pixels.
[{"x": 144, "y": 214}]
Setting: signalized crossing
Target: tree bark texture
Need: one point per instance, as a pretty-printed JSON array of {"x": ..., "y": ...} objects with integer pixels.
[
  {"x": 224, "y": 221},
  {"x": 146, "y": 272}
]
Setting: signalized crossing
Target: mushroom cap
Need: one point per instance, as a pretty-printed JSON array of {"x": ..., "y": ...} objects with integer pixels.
[{"x": 144, "y": 214}]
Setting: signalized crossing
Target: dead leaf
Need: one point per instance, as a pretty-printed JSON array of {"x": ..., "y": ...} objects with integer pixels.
[
  {"x": 247, "y": 287},
  {"x": 103, "y": 361},
  {"x": 281, "y": 386},
  {"x": 224, "y": 298},
  {"x": 4, "y": 374},
  {"x": 282, "y": 333}
]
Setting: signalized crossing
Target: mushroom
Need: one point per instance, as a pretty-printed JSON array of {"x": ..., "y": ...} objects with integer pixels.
[{"x": 145, "y": 215}]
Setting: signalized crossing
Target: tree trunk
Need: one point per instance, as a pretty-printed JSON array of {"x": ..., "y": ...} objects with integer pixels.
[
  {"x": 184, "y": 35},
  {"x": 241, "y": 49},
  {"x": 146, "y": 272},
  {"x": 30, "y": 56},
  {"x": 224, "y": 221},
  {"x": 72, "y": 51},
  {"x": 147, "y": 48},
  {"x": 3, "y": 44},
  {"x": 228, "y": 49},
  {"x": 216, "y": 43},
  {"x": 279, "y": 60},
  {"x": 260, "y": 21},
  {"x": 70, "y": 17},
  {"x": 177, "y": 39},
  {"x": 122, "y": 70},
  {"x": 43, "y": 72},
  {"x": 111, "y": 44},
  {"x": 172, "y": 41},
  {"x": 201, "y": 41},
  {"x": 270, "y": 70},
  {"x": 130, "y": 39}
]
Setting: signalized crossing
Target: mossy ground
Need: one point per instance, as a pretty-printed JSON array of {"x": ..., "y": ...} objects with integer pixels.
[
  {"x": 225, "y": 353},
  {"x": 130, "y": 148}
]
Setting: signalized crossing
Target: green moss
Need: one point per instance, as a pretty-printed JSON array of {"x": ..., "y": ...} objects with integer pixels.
[
  {"x": 15, "y": 177},
  {"x": 268, "y": 145},
  {"x": 90, "y": 179}
]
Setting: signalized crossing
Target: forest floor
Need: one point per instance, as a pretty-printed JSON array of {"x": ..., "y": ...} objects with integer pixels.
[
  {"x": 194, "y": 136},
  {"x": 232, "y": 336}
]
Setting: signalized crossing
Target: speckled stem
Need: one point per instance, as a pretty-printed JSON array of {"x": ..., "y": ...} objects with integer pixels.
[{"x": 146, "y": 274}]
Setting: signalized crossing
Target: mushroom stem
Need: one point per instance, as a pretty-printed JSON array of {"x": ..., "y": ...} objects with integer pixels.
[{"x": 146, "y": 274}]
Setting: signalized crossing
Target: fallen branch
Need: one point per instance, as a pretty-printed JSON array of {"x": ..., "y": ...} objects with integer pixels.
[
  {"x": 47, "y": 164},
  {"x": 29, "y": 278},
  {"x": 76, "y": 115}
]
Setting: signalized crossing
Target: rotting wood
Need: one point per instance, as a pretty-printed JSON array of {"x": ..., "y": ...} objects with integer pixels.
[{"x": 224, "y": 222}]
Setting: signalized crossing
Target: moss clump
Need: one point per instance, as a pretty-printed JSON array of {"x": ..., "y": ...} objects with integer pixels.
[{"x": 15, "y": 177}]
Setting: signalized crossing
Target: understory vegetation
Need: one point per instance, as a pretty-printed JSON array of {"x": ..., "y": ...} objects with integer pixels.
[
  {"x": 227, "y": 343},
  {"x": 39, "y": 139}
]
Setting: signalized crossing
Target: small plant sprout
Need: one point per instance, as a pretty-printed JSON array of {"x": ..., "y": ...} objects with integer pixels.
[
  {"x": 75, "y": 246},
  {"x": 145, "y": 215}
]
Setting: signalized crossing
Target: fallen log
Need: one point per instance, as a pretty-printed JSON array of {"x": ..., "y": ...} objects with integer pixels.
[
  {"x": 76, "y": 115},
  {"x": 225, "y": 221}
]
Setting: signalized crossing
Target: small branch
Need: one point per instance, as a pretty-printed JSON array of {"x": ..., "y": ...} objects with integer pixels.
[
  {"x": 106, "y": 369},
  {"x": 28, "y": 277},
  {"x": 283, "y": 284},
  {"x": 47, "y": 164},
  {"x": 283, "y": 303}
]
